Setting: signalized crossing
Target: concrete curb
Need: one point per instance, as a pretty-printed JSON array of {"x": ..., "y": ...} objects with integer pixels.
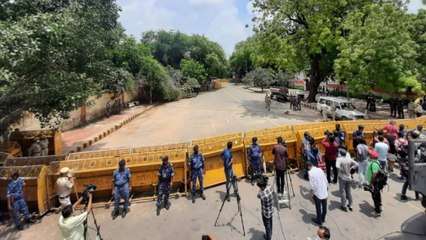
[{"x": 97, "y": 137}]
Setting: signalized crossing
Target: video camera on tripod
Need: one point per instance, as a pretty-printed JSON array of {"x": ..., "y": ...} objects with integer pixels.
[{"x": 88, "y": 189}]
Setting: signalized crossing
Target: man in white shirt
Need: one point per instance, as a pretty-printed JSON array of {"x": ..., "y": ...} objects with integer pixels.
[
  {"x": 72, "y": 227},
  {"x": 346, "y": 166},
  {"x": 319, "y": 192},
  {"x": 382, "y": 149},
  {"x": 65, "y": 183}
]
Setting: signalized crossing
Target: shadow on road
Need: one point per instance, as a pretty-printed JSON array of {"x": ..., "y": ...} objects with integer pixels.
[{"x": 411, "y": 229}]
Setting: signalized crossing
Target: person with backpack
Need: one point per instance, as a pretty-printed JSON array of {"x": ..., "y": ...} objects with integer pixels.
[
  {"x": 376, "y": 180},
  {"x": 254, "y": 153}
]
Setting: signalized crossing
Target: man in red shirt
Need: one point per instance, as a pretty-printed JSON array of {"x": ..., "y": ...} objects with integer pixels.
[
  {"x": 391, "y": 129},
  {"x": 330, "y": 155}
]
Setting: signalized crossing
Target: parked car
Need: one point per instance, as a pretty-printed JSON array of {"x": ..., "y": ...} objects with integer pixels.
[{"x": 345, "y": 110}]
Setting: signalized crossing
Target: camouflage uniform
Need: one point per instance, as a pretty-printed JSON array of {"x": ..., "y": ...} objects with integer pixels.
[
  {"x": 165, "y": 174},
  {"x": 121, "y": 187},
  {"x": 254, "y": 154},
  {"x": 196, "y": 163},
  {"x": 19, "y": 205}
]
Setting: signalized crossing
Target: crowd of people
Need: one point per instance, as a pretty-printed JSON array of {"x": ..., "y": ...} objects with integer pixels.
[{"x": 373, "y": 161}]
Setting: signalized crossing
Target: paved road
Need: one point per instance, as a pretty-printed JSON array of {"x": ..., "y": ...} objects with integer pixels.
[{"x": 227, "y": 110}]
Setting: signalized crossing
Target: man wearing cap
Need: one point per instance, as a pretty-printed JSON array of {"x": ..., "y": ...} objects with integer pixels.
[
  {"x": 372, "y": 170},
  {"x": 122, "y": 187},
  {"x": 165, "y": 182},
  {"x": 65, "y": 183},
  {"x": 196, "y": 165},
  {"x": 254, "y": 153},
  {"x": 16, "y": 202}
]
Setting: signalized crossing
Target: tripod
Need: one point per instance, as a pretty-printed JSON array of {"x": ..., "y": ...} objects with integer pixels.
[
  {"x": 235, "y": 184},
  {"x": 288, "y": 183},
  {"x": 98, "y": 227}
]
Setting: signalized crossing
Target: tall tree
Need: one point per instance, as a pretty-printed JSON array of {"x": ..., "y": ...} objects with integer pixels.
[
  {"x": 260, "y": 77},
  {"x": 302, "y": 35},
  {"x": 378, "y": 51},
  {"x": 241, "y": 59}
]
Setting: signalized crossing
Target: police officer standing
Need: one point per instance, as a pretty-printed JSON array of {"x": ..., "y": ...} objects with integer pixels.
[
  {"x": 392, "y": 105},
  {"x": 196, "y": 165},
  {"x": 65, "y": 183},
  {"x": 122, "y": 187},
  {"x": 229, "y": 172},
  {"x": 35, "y": 149},
  {"x": 254, "y": 154},
  {"x": 44, "y": 145},
  {"x": 16, "y": 202},
  {"x": 165, "y": 179},
  {"x": 268, "y": 101}
]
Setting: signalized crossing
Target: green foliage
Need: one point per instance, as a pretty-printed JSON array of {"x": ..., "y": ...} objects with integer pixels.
[
  {"x": 260, "y": 77},
  {"x": 379, "y": 51},
  {"x": 240, "y": 61},
  {"x": 417, "y": 28},
  {"x": 170, "y": 48},
  {"x": 193, "y": 69}
]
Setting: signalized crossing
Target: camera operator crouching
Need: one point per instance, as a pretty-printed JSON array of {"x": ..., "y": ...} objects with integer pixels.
[{"x": 72, "y": 226}]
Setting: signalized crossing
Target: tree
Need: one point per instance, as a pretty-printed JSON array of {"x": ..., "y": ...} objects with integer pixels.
[
  {"x": 378, "y": 51},
  {"x": 240, "y": 61},
  {"x": 50, "y": 54},
  {"x": 417, "y": 28},
  {"x": 302, "y": 35},
  {"x": 260, "y": 77},
  {"x": 193, "y": 69}
]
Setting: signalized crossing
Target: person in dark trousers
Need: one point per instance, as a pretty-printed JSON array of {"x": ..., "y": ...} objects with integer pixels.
[
  {"x": 331, "y": 147},
  {"x": 229, "y": 172},
  {"x": 266, "y": 199},
  {"x": 372, "y": 170},
  {"x": 280, "y": 162},
  {"x": 400, "y": 108},
  {"x": 392, "y": 106},
  {"x": 356, "y": 136},
  {"x": 319, "y": 192}
]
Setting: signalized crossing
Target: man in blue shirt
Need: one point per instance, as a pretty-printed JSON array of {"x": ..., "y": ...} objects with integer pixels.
[
  {"x": 254, "y": 153},
  {"x": 196, "y": 165},
  {"x": 227, "y": 165},
  {"x": 16, "y": 202},
  {"x": 122, "y": 187}
]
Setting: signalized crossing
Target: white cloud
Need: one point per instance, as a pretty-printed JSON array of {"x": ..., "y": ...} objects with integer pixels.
[
  {"x": 206, "y": 2},
  {"x": 415, "y": 5}
]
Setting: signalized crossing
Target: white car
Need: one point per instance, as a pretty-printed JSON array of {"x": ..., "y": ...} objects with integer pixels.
[{"x": 345, "y": 110}]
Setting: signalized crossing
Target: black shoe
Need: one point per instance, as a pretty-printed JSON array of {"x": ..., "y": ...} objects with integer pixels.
[
  {"x": 316, "y": 221},
  {"x": 20, "y": 227},
  {"x": 158, "y": 211},
  {"x": 403, "y": 197},
  {"x": 350, "y": 208},
  {"x": 30, "y": 220},
  {"x": 167, "y": 206},
  {"x": 193, "y": 198},
  {"x": 203, "y": 197},
  {"x": 115, "y": 214},
  {"x": 345, "y": 209},
  {"x": 335, "y": 181},
  {"x": 227, "y": 198},
  {"x": 123, "y": 214}
]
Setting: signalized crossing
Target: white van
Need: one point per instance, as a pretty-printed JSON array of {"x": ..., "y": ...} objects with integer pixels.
[{"x": 345, "y": 110}]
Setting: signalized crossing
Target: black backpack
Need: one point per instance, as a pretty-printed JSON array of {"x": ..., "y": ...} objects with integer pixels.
[{"x": 381, "y": 177}]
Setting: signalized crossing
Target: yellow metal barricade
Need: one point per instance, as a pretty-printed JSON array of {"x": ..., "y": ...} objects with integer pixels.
[
  {"x": 369, "y": 128},
  {"x": 211, "y": 148},
  {"x": 28, "y": 161},
  {"x": 160, "y": 148},
  {"x": 26, "y": 139},
  {"x": 34, "y": 191},
  {"x": 99, "y": 153}
]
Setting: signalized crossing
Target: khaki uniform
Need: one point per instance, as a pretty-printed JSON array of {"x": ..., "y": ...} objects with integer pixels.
[
  {"x": 34, "y": 150},
  {"x": 64, "y": 191},
  {"x": 44, "y": 144}
]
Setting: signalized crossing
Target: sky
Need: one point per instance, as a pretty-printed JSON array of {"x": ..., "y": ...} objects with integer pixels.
[{"x": 222, "y": 21}]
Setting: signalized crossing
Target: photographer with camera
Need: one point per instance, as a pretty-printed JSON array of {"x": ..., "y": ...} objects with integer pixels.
[
  {"x": 266, "y": 199},
  {"x": 72, "y": 227},
  {"x": 330, "y": 155},
  {"x": 165, "y": 183},
  {"x": 65, "y": 184},
  {"x": 121, "y": 189}
]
